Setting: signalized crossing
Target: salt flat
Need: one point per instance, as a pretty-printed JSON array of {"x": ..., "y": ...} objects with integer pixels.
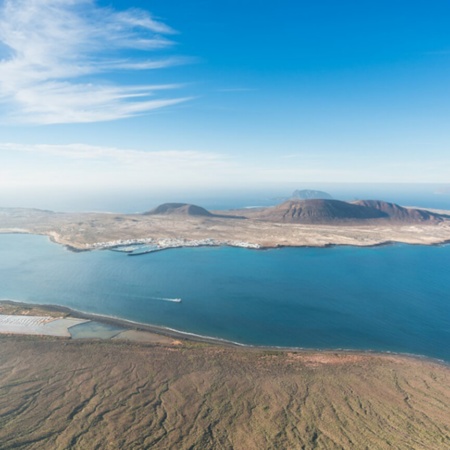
[
  {"x": 21, "y": 322},
  {"x": 38, "y": 325}
]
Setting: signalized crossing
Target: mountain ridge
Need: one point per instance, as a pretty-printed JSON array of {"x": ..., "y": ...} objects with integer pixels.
[{"x": 322, "y": 211}]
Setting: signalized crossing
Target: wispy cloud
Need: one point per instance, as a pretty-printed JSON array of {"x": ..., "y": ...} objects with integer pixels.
[
  {"x": 54, "y": 50},
  {"x": 85, "y": 166},
  {"x": 124, "y": 157},
  {"x": 91, "y": 166},
  {"x": 237, "y": 89}
]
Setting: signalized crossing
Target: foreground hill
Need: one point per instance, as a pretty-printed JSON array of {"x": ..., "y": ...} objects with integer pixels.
[
  {"x": 110, "y": 395},
  {"x": 325, "y": 211},
  {"x": 179, "y": 209}
]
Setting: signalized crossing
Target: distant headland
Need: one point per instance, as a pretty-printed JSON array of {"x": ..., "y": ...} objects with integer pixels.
[{"x": 310, "y": 194}]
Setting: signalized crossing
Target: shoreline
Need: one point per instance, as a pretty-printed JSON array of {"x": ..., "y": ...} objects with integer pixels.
[
  {"x": 214, "y": 341},
  {"x": 386, "y": 243},
  {"x": 127, "y": 324},
  {"x": 84, "y": 231},
  {"x": 251, "y": 246}
]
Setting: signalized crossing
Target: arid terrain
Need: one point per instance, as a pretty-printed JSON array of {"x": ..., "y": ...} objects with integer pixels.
[
  {"x": 168, "y": 393},
  {"x": 63, "y": 394},
  {"x": 314, "y": 223}
]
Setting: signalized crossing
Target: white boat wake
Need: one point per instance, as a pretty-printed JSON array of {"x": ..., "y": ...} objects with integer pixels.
[{"x": 165, "y": 299}]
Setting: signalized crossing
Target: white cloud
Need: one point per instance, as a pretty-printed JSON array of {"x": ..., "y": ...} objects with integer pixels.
[
  {"x": 53, "y": 50},
  {"x": 114, "y": 154},
  {"x": 84, "y": 166},
  {"x": 89, "y": 165}
]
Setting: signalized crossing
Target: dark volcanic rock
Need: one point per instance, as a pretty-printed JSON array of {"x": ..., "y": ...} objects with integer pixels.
[
  {"x": 399, "y": 213},
  {"x": 184, "y": 209},
  {"x": 319, "y": 211}
]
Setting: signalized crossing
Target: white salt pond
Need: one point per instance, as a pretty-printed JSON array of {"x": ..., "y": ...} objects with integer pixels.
[
  {"x": 38, "y": 325},
  {"x": 74, "y": 328}
]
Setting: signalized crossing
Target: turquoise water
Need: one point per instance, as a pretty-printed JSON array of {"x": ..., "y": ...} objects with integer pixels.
[
  {"x": 394, "y": 298},
  {"x": 95, "y": 330}
]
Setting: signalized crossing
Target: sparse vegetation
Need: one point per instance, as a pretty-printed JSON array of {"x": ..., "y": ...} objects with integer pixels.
[
  {"x": 108, "y": 395},
  {"x": 16, "y": 308}
]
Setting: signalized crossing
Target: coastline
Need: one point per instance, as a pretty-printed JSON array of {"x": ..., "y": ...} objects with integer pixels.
[
  {"x": 248, "y": 245},
  {"x": 90, "y": 231},
  {"x": 382, "y": 243},
  {"x": 127, "y": 324},
  {"x": 177, "y": 335}
]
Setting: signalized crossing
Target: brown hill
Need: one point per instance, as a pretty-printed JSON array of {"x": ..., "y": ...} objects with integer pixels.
[
  {"x": 181, "y": 209},
  {"x": 318, "y": 211},
  {"x": 399, "y": 213},
  {"x": 59, "y": 394}
]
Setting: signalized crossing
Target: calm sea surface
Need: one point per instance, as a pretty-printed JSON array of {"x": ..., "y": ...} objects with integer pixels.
[{"x": 394, "y": 298}]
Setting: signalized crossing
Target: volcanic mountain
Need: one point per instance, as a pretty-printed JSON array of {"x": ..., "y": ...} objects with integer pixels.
[
  {"x": 334, "y": 211},
  {"x": 399, "y": 213},
  {"x": 179, "y": 209},
  {"x": 318, "y": 211},
  {"x": 310, "y": 211}
]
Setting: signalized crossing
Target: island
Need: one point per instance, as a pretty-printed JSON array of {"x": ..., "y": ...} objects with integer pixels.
[
  {"x": 307, "y": 194},
  {"x": 296, "y": 223}
]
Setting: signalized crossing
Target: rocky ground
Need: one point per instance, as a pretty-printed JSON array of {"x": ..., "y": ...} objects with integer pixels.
[{"x": 62, "y": 394}]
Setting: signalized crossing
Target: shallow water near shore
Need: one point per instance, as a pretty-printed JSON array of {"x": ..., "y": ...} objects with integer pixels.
[{"x": 393, "y": 298}]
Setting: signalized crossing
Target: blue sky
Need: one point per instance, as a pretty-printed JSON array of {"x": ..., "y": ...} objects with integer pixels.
[{"x": 157, "y": 94}]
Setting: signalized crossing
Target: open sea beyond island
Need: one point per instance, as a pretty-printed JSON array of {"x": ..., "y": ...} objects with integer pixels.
[{"x": 393, "y": 298}]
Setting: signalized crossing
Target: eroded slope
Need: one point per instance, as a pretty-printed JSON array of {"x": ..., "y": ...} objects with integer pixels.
[{"x": 72, "y": 395}]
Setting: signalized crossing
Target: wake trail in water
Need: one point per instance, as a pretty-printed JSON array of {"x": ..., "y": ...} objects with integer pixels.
[{"x": 165, "y": 299}]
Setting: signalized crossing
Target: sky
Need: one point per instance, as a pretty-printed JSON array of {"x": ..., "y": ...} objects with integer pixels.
[{"x": 176, "y": 94}]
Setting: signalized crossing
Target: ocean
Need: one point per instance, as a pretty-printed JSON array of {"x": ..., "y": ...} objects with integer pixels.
[
  {"x": 393, "y": 298},
  {"x": 425, "y": 195}
]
